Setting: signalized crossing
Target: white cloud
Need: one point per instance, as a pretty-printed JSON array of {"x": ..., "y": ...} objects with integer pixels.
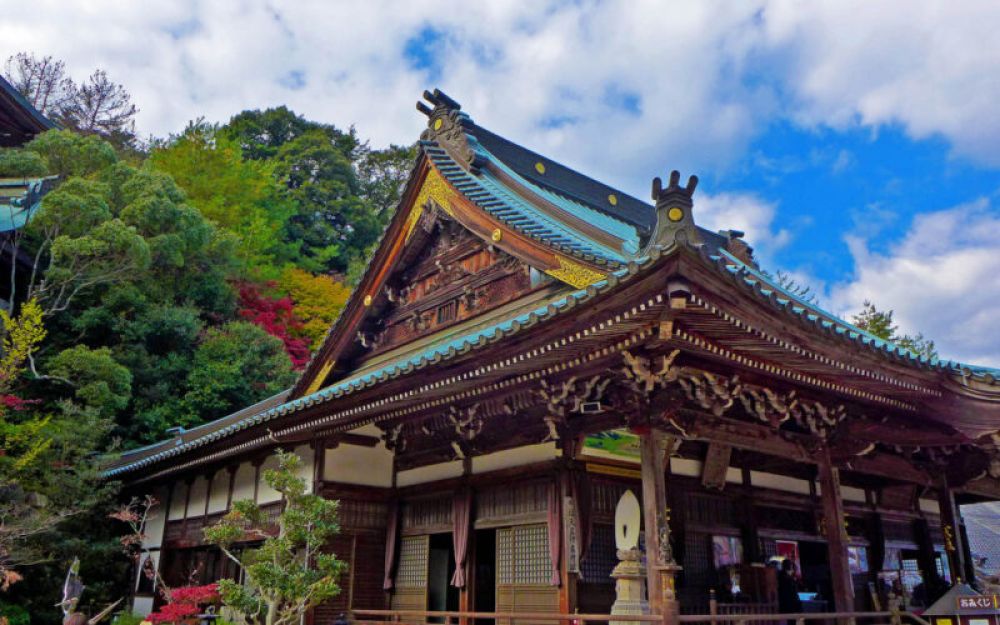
[
  {"x": 927, "y": 66},
  {"x": 623, "y": 89},
  {"x": 942, "y": 279},
  {"x": 746, "y": 212}
]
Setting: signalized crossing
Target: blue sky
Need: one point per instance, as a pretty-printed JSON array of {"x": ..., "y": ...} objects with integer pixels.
[{"x": 856, "y": 143}]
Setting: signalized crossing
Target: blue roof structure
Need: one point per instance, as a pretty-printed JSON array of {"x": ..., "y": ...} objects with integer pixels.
[
  {"x": 765, "y": 287},
  {"x": 431, "y": 354},
  {"x": 493, "y": 196},
  {"x": 20, "y": 198}
]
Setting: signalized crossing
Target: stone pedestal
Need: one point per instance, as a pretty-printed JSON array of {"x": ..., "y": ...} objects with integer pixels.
[{"x": 630, "y": 587}]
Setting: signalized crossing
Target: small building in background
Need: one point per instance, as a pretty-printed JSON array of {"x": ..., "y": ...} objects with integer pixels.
[
  {"x": 20, "y": 197},
  {"x": 963, "y": 606}
]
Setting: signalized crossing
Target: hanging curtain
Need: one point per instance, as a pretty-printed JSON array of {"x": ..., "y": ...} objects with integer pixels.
[
  {"x": 391, "y": 542},
  {"x": 555, "y": 527},
  {"x": 580, "y": 485},
  {"x": 461, "y": 515}
]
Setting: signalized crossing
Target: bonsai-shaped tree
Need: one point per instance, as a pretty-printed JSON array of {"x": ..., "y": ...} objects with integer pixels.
[{"x": 288, "y": 573}]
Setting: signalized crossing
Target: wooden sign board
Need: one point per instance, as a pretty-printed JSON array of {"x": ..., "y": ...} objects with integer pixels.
[{"x": 980, "y": 602}]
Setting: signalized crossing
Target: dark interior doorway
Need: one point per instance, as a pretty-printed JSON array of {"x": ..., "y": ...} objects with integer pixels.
[
  {"x": 815, "y": 563},
  {"x": 441, "y": 595},
  {"x": 485, "y": 598}
]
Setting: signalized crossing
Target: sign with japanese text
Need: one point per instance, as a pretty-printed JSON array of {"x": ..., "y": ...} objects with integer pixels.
[{"x": 979, "y": 602}]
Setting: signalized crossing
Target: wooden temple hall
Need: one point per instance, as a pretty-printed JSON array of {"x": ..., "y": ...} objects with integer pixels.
[{"x": 526, "y": 346}]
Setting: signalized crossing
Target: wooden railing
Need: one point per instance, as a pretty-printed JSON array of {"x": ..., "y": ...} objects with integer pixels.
[{"x": 414, "y": 617}]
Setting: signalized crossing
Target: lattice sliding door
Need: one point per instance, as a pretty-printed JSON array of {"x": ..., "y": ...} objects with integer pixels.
[
  {"x": 524, "y": 570},
  {"x": 410, "y": 592}
]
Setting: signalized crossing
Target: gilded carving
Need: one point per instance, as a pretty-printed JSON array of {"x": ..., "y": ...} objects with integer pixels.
[
  {"x": 575, "y": 274},
  {"x": 435, "y": 188}
]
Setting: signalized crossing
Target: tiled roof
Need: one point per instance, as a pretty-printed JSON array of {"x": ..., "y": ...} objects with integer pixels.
[
  {"x": 26, "y": 119},
  {"x": 493, "y": 196},
  {"x": 565, "y": 181},
  {"x": 446, "y": 348},
  {"x": 20, "y": 199},
  {"x": 766, "y": 288}
]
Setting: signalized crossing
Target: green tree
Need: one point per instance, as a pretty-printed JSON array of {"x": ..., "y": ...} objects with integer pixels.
[
  {"x": 22, "y": 164},
  {"x": 47, "y": 468},
  {"x": 235, "y": 366},
  {"x": 383, "y": 175},
  {"x": 70, "y": 154},
  {"x": 289, "y": 573},
  {"x": 880, "y": 323},
  {"x": 240, "y": 195},
  {"x": 99, "y": 382},
  {"x": 332, "y": 222},
  {"x": 262, "y": 133},
  {"x": 339, "y": 187}
]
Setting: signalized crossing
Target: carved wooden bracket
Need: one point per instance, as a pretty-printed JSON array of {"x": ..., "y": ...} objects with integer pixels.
[
  {"x": 467, "y": 421},
  {"x": 713, "y": 393},
  {"x": 446, "y": 126},
  {"x": 567, "y": 397},
  {"x": 394, "y": 439},
  {"x": 644, "y": 375}
]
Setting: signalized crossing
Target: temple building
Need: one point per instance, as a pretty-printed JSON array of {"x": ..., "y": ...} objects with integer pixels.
[
  {"x": 20, "y": 196},
  {"x": 525, "y": 346}
]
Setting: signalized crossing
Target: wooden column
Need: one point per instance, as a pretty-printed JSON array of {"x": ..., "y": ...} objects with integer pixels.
[
  {"x": 951, "y": 525},
  {"x": 660, "y": 565},
  {"x": 836, "y": 534}
]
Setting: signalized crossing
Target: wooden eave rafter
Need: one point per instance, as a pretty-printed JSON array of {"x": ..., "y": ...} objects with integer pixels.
[
  {"x": 722, "y": 322},
  {"x": 546, "y": 350},
  {"x": 629, "y": 316}
]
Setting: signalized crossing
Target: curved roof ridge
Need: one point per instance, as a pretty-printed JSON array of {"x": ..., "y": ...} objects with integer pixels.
[
  {"x": 616, "y": 226},
  {"x": 815, "y": 313}
]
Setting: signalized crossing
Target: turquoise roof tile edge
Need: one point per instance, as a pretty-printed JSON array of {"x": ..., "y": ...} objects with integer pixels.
[
  {"x": 765, "y": 287},
  {"x": 627, "y": 233},
  {"x": 430, "y": 355},
  {"x": 495, "y": 198},
  {"x": 16, "y": 211}
]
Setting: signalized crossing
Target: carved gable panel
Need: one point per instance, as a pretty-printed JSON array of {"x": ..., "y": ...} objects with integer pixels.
[{"x": 452, "y": 276}]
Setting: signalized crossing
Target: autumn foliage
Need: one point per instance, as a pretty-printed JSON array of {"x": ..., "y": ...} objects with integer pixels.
[
  {"x": 185, "y": 604},
  {"x": 276, "y": 315}
]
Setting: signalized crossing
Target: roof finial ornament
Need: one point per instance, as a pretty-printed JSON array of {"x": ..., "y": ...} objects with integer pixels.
[
  {"x": 446, "y": 124},
  {"x": 674, "y": 219}
]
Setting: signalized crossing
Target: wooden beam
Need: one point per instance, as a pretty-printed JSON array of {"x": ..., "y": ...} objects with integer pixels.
[
  {"x": 654, "y": 446},
  {"x": 952, "y": 528},
  {"x": 713, "y": 472},
  {"x": 887, "y": 466},
  {"x": 654, "y": 503},
  {"x": 743, "y": 435},
  {"x": 984, "y": 487},
  {"x": 836, "y": 534}
]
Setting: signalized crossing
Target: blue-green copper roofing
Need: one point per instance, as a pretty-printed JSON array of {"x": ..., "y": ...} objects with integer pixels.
[
  {"x": 20, "y": 199},
  {"x": 445, "y": 349},
  {"x": 766, "y": 287},
  {"x": 626, "y": 232},
  {"x": 490, "y": 194}
]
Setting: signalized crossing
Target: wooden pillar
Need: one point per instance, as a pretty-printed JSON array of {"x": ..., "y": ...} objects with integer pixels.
[
  {"x": 836, "y": 534},
  {"x": 951, "y": 525},
  {"x": 567, "y": 570},
  {"x": 660, "y": 564}
]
